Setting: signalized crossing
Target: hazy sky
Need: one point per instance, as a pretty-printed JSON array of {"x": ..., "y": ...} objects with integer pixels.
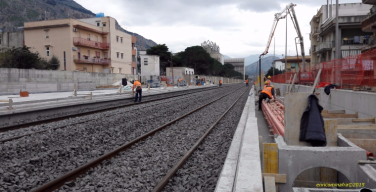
[{"x": 239, "y": 27}]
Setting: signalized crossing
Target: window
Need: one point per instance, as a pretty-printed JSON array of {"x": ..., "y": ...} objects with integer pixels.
[
  {"x": 105, "y": 55},
  {"x": 98, "y": 54},
  {"x": 85, "y": 69},
  {"x": 121, "y": 39},
  {"x": 146, "y": 61},
  {"x": 88, "y": 36},
  {"x": 48, "y": 51},
  {"x": 98, "y": 24},
  {"x": 117, "y": 38},
  {"x": 122, "y": 55},
  {"x": 119, "y": 70},
  {"x": 46, "y": 34},
  {"x": 104, "y": 24},
  {"x": 96, "y": 38},
  {"x": 117, "y": 54}
]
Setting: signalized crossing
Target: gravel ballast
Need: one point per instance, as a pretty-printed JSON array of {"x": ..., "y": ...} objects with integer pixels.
[
  {"x": 142, "y": 166},
  {"x": 34, "y": 160}
]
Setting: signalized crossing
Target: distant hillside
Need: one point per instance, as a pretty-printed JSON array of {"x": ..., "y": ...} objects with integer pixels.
[
  {"x": 226, "y": 57},
  {"x": 13, "y": 14},
  {"x": 254, "y": 58},
  {"x": 266, "y": 64}
]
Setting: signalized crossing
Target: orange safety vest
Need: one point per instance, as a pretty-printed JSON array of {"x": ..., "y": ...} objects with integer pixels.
[
  {"x": 246, "y": 81},
  {"x": 267, "y": 90},
  {"x": 268, "y": 82},
  {"x": 136, "y": 84},
  {"x": 220, "y": 81}
]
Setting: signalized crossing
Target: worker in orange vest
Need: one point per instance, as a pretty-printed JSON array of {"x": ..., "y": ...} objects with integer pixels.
[
  {"x": 246, "y": 81},
  {"x": 267, "y": 82},
  {"x": 220, "y": 82},
  {"x": 267, "y": 92},
  {"x": 138, "y": 91}
]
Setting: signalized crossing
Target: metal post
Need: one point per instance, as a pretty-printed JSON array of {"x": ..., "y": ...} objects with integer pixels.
[
  {"x": 172, "y": 71},
  {"x": 338, "y": 41},
  {"x": 260, "y": 72},
  {"x": 286, "y": 38},
  {"x": 65, "y": 63},
  {"x": 274, "y": 57}
]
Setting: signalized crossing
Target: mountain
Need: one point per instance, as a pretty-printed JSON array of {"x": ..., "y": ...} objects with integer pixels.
[
  {"x": 226, "y": 57},
  {"x": 266, "y": 64},
  {"x": 253, "y": 58},
  {"x": 13, "y": 14}
]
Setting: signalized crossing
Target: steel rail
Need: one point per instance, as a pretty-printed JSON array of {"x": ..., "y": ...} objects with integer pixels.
[
  {"x": 180, "y": 163},
  {"x": 38, "y": 122},
  {"x": 60, "y": 181},
  {"x": 60, "y": 127}
]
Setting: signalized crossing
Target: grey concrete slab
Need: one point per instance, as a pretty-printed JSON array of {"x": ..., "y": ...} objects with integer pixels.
[{"x": 227, "y": 178}]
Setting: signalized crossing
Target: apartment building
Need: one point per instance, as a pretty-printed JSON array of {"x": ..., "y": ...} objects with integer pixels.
[
  {"x": 369, "y": 25},
  {"x": 352, "y": 37},
  {"x": 293, "y": 63},
  {"x": 92, "y": 45}
]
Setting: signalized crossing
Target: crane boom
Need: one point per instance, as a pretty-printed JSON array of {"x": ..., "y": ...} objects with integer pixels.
[{"x": 277, "y": 17}]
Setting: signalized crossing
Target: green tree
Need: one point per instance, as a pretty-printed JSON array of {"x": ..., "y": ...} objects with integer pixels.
[
  {"x": 276, "y": 72},
  {"x": 54, "y": 63},
  {"x": 20, "y": 57}
]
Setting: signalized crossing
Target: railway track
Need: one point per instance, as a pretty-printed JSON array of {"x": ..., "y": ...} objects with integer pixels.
[
  {"x": 5, "y": 138},
  {"x": 146, "y": 99},
  {"x": 39, "y": 161},
  {"x": 225, "y": 103}
]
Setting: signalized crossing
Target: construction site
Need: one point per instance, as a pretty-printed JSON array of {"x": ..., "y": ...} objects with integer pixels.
[{"x": 310, "y": 129}]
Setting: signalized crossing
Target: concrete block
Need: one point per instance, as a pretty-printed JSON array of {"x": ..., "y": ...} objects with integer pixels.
[
  {"x": 293, "y": 160},
  {"x": 295, "y": 104},
  {"x": 269, "y": 184}
]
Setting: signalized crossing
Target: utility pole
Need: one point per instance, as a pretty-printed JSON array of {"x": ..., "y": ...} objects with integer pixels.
[
  {"x": 337, "y": 41},
  {"x": 274, "y": 57},
  {"x": 286, "y": 37},
  {"x": 172, "y": 71}
]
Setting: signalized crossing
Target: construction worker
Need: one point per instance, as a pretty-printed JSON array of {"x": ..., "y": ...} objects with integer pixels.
[
  {"x": 267, "y": 82},
  {"x": 267, "y": 92},
  {"x": 220, "y": 82},
  {"x": 138, "y": 91},
  {"x": 246, "y": 81}
]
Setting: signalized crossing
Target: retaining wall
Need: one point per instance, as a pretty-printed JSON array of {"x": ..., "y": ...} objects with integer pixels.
[
  {"x": 13, "y": 80},
  {"x": 351, "y": 101}
]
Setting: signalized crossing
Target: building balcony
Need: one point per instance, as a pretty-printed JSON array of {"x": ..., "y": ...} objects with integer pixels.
[
  {"x": 134, "y": 64},
  {"x": 371, "y": 2},
  {"x": 369, "y": 23},
  {"x": 133, "y": 39},
  {"x": 313, "y": 48},
  {"x": 324, "y": 46},
  {"x": 90, "y": 60},
  {"x": 78, "y": 41},
  {"x": 134, "y": 52}
]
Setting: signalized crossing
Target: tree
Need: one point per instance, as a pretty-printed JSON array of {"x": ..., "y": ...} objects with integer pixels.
[
  {"x": 54, "y": 63},
  {"x": 20, "y": 57},
  {"x": 276, "y": 72}
]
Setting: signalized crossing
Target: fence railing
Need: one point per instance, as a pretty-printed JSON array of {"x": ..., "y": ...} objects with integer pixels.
[
  {"x": 89, "y": 43},
  {"x": 90, "y": 60},
  {"x": 349, "y": 72}
]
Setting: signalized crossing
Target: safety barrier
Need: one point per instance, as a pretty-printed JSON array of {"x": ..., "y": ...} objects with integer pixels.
[{"x": 348, "y": 72}]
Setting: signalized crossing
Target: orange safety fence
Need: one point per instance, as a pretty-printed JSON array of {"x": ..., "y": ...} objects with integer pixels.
[{"x": 348, "y": 72}]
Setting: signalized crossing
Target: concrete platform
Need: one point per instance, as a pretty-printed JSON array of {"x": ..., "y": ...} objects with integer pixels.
[{"x": 242, "y": 169}]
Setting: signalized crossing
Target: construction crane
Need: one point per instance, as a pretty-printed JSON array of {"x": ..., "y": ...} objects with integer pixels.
[{"x": 278, "y": 16}]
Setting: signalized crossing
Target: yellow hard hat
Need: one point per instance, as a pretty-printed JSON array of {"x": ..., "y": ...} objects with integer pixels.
[
  {"x": 269, "y": 77},
  {"x": 266, "y": 83},
  {"x": 272, "y": 86}
]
